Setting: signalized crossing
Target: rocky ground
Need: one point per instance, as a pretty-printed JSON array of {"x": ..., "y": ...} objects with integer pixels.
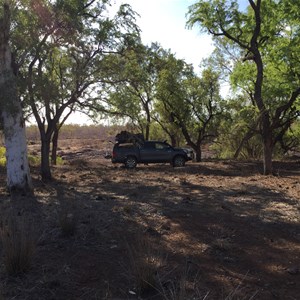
[{"x": 210, "y": 230}]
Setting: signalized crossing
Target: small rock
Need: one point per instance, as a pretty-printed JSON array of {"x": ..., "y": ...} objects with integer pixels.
[
  {"x": 293, "y": 270},
  {"x": 132, "y": 293}
]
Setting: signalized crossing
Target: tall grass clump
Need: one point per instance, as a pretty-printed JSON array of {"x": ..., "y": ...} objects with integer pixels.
[
  {"x": 18, "y": 244},
  {"x": 145, "y": 262}
]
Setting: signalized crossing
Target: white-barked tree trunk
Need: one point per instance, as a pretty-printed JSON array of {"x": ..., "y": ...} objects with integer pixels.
[{"x": 18, "y": 173}]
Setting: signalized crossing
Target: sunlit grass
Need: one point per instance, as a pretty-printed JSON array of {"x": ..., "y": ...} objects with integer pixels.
[
  {"x": 2, "y": 156},
  {"x": 59, "y": 160},
  {"x": 33, "y": 160}
]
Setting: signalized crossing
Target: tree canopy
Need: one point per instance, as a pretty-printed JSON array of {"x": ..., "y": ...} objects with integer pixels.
[
  {"x": 263, "y": 39},
  {"x": 60, "y": 59}
]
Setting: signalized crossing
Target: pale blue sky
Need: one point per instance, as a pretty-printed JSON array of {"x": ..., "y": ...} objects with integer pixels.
[{"x": 164, "y": 21}]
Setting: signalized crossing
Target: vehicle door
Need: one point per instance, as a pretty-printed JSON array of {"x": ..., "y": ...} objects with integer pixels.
[
  {"x": 163, "y": 152},
  {"x": 147, "y": 152}
]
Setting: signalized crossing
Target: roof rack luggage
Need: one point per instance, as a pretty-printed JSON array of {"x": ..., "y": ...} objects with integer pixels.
[{"x": 127, "y": 137}]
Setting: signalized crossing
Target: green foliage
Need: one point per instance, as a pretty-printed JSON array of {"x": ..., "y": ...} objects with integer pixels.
[
  {"x": 132, "y": 92},
  {"x": 261, "y": 39},
  {"x": 238, "y": 121},
  {"x": 60, "y": 48},
  {"x": 34, "y": 160},
  {"x": 2, "y": 152},
  {"x": 59, "y": 161},
  {"x": 290, "y": 142},
  {"x": 2, "y": 156},
  {"x": 188, "y": 103}
]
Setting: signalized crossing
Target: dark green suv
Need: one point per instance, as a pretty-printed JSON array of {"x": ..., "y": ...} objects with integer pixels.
[{"x": 130, "y": 154}]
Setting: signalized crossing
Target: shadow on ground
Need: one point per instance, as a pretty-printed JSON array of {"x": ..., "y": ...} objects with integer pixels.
[{"x": 214, "y": 230}]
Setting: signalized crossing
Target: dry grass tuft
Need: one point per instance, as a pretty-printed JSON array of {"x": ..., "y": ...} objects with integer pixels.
[
  {"x": 18, "y": 242},
  {"x": 145, "y": 262},
  {"x": 222, "y": 244},
  {"x": 241, "y": 293},
  {"x": 67, "y": 222},
  {"x": 183, "y": 287}
]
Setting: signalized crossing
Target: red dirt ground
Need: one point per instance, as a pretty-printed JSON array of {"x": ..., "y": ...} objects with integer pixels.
[{"x": 210, "y": 230}]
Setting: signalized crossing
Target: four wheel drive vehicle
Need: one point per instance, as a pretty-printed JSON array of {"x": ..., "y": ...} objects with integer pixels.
[{"x": 130, "y": 154}]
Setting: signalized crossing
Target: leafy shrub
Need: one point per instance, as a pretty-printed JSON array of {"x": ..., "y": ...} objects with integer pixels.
[
  {"x": 2, "y": 156},
  {"x": 34, "y": 160},
  {"x": 2, "y": 151},
  {"x": 59, "y": 161}
]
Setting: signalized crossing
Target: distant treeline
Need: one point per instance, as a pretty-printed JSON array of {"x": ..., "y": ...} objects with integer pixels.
[{"x": 74, "y": 131}]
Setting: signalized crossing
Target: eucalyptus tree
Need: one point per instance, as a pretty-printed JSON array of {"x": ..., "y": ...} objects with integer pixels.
[
  {"x": 265, "y": 38},
  {"x": 61, "y": 68},
  {"x": 134, "y": 95},
  {"x": 189, "y": 102},
  {"x": 18, "y": 174}
]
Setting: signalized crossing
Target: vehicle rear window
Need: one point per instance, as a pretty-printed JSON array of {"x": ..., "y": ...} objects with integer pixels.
[{"x": 149, "y": 145}]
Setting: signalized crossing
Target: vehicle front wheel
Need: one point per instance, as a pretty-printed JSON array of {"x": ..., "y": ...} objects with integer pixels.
[
  {"x": 179, "y": 161},
  {"x": 130, "y": 162}
]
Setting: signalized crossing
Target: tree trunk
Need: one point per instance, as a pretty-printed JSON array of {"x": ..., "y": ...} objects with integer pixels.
[
  {"x": 268, "y": 163},
  {"x": 147, "y": 133},
  {"x": 45, "y": 160},
  {"x": 148, "y": 121},
  {"x": 54, "y": 147},
  {"x": 198, "y": 154},
  {"x": 265, "y": 115},
  {"x": 173, "y": 140},
  {"x": 18, "y": 173},
  {"x": 246, "y": 138},
  {"x": 267, "y": 146}
]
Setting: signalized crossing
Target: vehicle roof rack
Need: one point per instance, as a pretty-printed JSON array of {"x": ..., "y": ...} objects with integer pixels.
[{"x": 127, "y": 137}]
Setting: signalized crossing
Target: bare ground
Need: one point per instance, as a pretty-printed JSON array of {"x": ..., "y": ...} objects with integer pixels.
[{"x": 210, "y": 230}]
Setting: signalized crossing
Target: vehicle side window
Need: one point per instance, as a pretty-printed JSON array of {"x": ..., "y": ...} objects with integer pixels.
[
  {"x": 149, "y": 145},
  {"x": 161, "y": 146}
]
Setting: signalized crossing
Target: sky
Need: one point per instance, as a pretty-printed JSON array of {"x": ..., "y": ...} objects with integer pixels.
[{"x": 164, "y": 21}]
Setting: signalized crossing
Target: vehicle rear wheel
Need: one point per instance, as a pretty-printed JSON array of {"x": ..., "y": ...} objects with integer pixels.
[
  {"x": 179, "y": 161},
  {"x": 130, "y": 162}
]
